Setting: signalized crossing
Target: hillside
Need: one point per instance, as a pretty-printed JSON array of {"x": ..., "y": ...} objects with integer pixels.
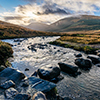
[
  {"x": 79, "y": 23},
  {"x": 8, "y": 30},
  {"x": 38, "y": 26}
]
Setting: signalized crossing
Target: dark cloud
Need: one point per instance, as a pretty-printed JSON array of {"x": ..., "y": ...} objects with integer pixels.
[
  {"x": 13, "y": 18},
  {"x": 52, "y": 9}
]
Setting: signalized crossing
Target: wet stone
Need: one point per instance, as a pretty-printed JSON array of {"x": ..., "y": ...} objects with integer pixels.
[
  {"x": 78, "y": 55},
  {"x": 95, "y": 59},
  {"x": 49, "y": 73},
  {"x": 22, "y": 97},
  {"x": 83, "y": 63},
  {"x": 68, "y": 68},
  {"x": 12, "y": 74},
  {"x": 11, "y": 92},
  {"x": 7, "y": 84}
]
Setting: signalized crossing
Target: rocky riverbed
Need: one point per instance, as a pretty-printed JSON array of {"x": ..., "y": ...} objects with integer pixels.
[{"x": 30, "y": 54}]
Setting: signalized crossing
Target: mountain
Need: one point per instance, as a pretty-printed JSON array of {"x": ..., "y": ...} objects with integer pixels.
[
  {"x": 8, "y": 30},
  {"x": 38, "y": 26},
  {"x": 78, "y": 23}
]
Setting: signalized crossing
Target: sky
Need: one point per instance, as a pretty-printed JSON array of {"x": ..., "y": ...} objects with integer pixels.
[{"x": 24, "y": 12}]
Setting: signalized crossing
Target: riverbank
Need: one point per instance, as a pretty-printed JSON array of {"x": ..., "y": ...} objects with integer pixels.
[{"x": 88, "y": 43}]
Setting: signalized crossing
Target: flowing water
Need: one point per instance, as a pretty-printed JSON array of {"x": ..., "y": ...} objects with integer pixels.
[{"x": 84, "y": 87}]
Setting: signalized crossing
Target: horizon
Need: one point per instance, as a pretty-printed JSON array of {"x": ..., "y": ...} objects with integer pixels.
[{"x": 24, "y": 12}]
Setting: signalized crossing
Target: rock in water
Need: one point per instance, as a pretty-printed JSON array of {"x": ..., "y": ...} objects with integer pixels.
[
  {"x": 26, "y": 69},
  {"x": 39, "y": 96},
  {"x": 48, "y": 73},
  {"x": 22, "y": 97},
  {"x": 95, "y": 59},
  {"x": 41, "y": 85},
  {"x": 7, "y": 84},
  {"x": 11, "y": 92},
  {"x": 83, "y": 63},
  {"x": 12, "y": 74},
  {"x": 68, "y": 68},
  {"x": 78, "y": 55}
]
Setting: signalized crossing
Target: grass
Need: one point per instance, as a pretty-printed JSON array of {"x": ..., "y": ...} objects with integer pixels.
[
  {"x": 5, "y": 52},
  {"x": 8, "y": 30},
  {"x": 82, "y": 38},
  {"x": 85, "y": 48}
]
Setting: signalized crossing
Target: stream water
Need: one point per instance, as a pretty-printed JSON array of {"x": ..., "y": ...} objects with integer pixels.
[{"x": 84, "y": 87}]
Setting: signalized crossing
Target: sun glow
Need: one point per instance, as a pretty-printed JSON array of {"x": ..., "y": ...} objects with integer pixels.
[{"x": 31, "y": 14}]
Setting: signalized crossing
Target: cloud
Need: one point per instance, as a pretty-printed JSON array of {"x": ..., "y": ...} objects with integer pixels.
[{"x": 49, "y": 11}]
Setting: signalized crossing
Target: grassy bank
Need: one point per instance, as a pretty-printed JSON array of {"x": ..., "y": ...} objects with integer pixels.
[
  {"x": 5, "y": 52},
  {"x": 75, "y": 45}
]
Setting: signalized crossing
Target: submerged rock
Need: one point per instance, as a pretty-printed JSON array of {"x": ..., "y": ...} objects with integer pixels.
[
  {"x": 22, "y": 97},
  {"x": 78, "y": 55},
  {"x": 39, "y": 96},
  {"x": 7, "y": 84},
  {"x": 11, "y": 92},
  {"x": 95, "y": 59},
  {"x": 68, "y": 68},
  {"x": 48, "y": 73},
  {"x": 83, "y": 63}
]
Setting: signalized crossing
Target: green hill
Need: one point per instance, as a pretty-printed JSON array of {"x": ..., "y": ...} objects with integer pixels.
[{"x": 79, "y": 23}]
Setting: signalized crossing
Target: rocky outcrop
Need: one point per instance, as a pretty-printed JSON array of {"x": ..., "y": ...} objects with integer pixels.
[
  {"x": 83, "y": 63},
  {"x": 68, "y": 68},
  {"x": 49, "y": 73},
  {"x": 95, "y": 59}
]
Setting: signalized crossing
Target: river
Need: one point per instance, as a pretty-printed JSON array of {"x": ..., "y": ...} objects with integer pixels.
[{"x": 84, "y": 87}]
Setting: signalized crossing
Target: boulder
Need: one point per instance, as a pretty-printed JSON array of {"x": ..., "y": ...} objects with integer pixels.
[
  {"x": 41, "y": 85},
  {"x": 83, "y": 63},
  {"x": 39, "y": 96},
  {"x": 68, "y": 68},
  {"x": 48, "y": 73},
  {"x": 95, "y": 59},
  {"x": 11, "y": 92},
  {"x": 7, "y": 84},
  {"x": 78, "y": 55},
  {"x": 12, "y": 74},
  {"x": 22, "y": 97}
]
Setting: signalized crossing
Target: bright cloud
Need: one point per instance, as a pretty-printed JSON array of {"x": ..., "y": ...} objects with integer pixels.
[{"x": 49, "y": 11}]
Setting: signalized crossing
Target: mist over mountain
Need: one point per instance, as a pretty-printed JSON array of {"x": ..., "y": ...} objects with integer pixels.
[{"x": 75, "y": 23}]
